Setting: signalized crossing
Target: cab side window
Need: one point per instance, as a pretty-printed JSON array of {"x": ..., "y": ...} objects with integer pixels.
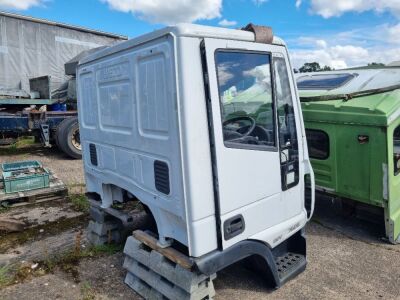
[
  {"x": 396, "y": 150},
  {"x": 245, "y": 90},
  {"x": 286, "y": 118},
  {"x": 288, "y": 143}
]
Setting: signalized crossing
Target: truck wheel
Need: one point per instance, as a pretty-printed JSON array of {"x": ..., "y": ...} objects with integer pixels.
[{"x": 68, "y": 139}]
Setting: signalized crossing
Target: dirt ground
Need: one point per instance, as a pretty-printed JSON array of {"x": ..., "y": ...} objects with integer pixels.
[{"x": 346, "y": 259}]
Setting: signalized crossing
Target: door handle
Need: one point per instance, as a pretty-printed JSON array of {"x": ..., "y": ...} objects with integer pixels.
[{"x": 233, "y": 227}]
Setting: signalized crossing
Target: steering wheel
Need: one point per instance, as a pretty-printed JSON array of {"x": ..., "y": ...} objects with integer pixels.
[{"x": 235, "y": 134}]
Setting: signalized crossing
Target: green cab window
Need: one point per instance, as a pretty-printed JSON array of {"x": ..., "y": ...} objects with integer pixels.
[
  {"x": 396, "y": 150},
  {"x": 318, "y": 144},
  {"x": 245, "y": 90}
]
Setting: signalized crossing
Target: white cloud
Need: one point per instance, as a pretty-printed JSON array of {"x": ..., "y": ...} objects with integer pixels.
[
  {"x": 352, "y": 48},
  {"x": 343, "y": 56},
  {"x": 322, "y": 56},
  {"x": 298, "y": 3},
  {"x": 259, "y": 2},
  {"x": 227, "y": 23},
  {"x": 394, "y": 34},
  {"x": 329, "y": 8},
  {"x": 20, "y": 4},
  {"x": 169, "y": 11},
  {"x": 321, "y": 43}
]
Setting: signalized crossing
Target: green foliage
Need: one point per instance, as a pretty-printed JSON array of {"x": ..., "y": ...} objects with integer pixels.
[
  {"x": 67, "y": 262},
  {"x": 4, "y": 206},
  {"x": 5, "y": 277},
  {"x": 20, "y": 143},
  {"x": 80, "y": 202},
  {"x": 87, "y": 291},
  {"x": 313, "y": 67},
  {"x": 375, "y": 64}
]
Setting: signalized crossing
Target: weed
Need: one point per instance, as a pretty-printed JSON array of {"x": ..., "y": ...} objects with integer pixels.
[
  {"x": 18, "y": 273},
  {"x": 108, "y": 249},
  {"x": 20, "y": 143},
  {"x": 4, "y": 206},
  {"x": 80, "y": 202},
  {"x": 87, "y": 291},
  {"x": 24, "y": 141},
  {"x": 5, "y": 277},
  {"x": 67, "y": 262}
]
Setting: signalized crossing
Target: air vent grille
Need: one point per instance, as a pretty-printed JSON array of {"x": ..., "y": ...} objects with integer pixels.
[
  {"x": 161, "y": 177},
  {"x": 93, "y": 154}
]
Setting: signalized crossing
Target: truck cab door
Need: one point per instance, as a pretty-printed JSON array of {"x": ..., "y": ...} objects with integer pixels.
[{"x": 254, "y": 141}]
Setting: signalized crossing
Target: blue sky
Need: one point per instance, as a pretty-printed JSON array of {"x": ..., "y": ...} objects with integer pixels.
[{"x": 339, "y": 33}]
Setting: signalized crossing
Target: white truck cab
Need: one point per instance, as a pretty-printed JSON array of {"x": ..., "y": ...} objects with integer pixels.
[{"x": 204, "y": 127}]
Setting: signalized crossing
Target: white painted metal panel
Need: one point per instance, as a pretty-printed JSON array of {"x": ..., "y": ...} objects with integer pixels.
[
  {"x": 131, "y": 118},
  {"x": 249, "y": 181}
]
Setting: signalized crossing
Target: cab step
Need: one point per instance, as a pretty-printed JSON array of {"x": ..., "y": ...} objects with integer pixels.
[
  {"x": 290, "y": 258},
  {"x": 289, "y": 265},
  {"x": 163, "y": 273}
]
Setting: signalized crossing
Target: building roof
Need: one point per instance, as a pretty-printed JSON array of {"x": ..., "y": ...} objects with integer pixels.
[{"x": 62, "y": 25}]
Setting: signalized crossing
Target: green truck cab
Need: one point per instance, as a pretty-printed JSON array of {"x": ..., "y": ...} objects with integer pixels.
[{"x": 352, "y": 121}]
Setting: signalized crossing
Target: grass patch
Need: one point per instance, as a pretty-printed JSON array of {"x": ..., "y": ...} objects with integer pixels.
[
  {"x": 22, "y": 142},
  {"x": 80, "y": 202},
  {"x": 67, "y": 262},
  {"x": 87, "y": 292},
  {"x": 5, "y": 277},
  {"x": 4, "y": 207},
  {"x": 10, "y": 240}
]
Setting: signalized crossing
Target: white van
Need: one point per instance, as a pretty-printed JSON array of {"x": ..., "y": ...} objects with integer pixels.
[{"x": 203, "y": 125}]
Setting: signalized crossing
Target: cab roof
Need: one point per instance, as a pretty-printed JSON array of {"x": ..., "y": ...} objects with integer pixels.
[
  {"x": 379, "y": 109},
  {"x": 181, "y": 30}
]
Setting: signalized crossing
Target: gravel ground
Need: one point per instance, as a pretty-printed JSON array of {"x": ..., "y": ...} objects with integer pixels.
[
  {"x": 339, "y": 267},
  {"x": 346, "y": 260}
]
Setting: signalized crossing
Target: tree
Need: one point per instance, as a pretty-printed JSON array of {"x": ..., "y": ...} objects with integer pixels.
[
  {"x": 313, "y": 67},
  {"x": 375, "y": 64}
]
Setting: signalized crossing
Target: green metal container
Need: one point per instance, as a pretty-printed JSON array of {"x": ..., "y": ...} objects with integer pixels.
[
  {"x": 24, "y": 176},
  {"x": 354, "y": 138}
]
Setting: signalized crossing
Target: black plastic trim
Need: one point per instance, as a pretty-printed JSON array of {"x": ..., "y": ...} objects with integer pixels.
[
  {"x": 233, "y": 227},
  {"x": 218, "y": 260},
  {"x": 212, "y": 143},
  {"x": 93, "y": 154},
  {"x": 161, "y": 177}
]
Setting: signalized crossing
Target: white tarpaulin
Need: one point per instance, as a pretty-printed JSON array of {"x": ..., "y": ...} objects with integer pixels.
[{"x": 32, "y": 48}]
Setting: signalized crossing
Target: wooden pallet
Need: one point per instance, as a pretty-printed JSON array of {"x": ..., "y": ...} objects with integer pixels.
[
  {"x": 56, "y": 190},
  {"x": 169, "y": 252}
]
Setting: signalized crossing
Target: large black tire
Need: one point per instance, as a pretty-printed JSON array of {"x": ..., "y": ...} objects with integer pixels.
[{"x": 67, "y": 137}]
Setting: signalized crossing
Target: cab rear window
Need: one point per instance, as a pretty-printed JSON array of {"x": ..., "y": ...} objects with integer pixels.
[
  {"x": 318, "y": 144},
  {"x": 323, "y": 81},
  {"x": 396, "y": 150}
]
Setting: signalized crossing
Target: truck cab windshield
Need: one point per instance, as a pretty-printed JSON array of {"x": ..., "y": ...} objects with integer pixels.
[{"x": 245, "y": 89}]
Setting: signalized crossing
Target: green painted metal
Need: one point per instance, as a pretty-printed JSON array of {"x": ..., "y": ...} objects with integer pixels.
[
  {"x": 24, "y": 176},
  {"x": 363, "y": 172}
]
